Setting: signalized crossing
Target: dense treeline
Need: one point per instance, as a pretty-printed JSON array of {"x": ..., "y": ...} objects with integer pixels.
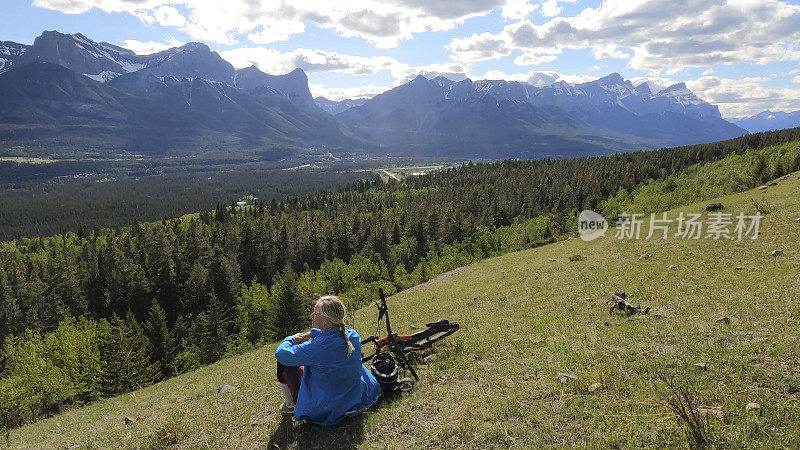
[
  {"x": 110, "y": 310},
  {"x": 117, "y": 197}
]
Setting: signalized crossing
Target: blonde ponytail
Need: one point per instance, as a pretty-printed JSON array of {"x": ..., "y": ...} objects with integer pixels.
[
  {"x": 350, "y": 347},
  {"x": 332, "y": 307}
]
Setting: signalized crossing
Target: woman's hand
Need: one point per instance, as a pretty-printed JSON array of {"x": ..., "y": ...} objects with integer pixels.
[{"x": 299, "y": 338}]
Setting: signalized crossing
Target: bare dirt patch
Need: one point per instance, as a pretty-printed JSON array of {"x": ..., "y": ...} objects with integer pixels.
[{"x": 433, "y": 281}]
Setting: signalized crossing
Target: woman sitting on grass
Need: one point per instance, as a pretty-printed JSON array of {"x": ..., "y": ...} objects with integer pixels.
[{"x": 320, "y": 371}]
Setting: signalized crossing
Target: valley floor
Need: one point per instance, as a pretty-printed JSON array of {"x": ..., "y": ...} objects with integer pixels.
[{"x": 525, "y": 318}]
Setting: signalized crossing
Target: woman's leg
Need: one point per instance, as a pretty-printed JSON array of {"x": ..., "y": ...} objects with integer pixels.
[{"x": 289, "y": 379}]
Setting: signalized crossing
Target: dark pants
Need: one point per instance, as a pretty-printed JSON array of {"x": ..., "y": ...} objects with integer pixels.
[{"x": 291, "y": 376}]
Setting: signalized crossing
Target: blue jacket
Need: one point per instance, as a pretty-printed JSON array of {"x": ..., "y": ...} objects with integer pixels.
[{"x": 333, "y": 383}]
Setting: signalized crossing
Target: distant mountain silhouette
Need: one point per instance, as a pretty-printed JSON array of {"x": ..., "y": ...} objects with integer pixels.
[
  {"x": 512, "y": 118},
  {"x": 334, "y": 107},
  {"x": 769, "y": 120},
  {"x": 66, "y": 89},
  {"x": 144, "y": 113}
]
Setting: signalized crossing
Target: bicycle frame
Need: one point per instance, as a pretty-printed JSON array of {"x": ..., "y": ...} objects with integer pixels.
[{"x": 397, "y": 343}]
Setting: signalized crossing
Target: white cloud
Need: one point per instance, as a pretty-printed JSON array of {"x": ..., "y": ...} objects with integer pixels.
[
  {"x": 150, "y": 47},
  {"x": 313, "y": 60},
  {"x": 609, "y": 51},
  {"x": 745, "y": 97},
  {"x": 735, "y": 97},
  {"x": 342, "y": 93},
  {"x": 518, "y": 9},
  {"x": 533, "y": 59},
  {"x": 796, "y": 79},
  {"x": 382, "y": 23},
  {"x": 550, "y": 8},
  {"x": 169, "y": 16},
  {"x": 279, "y": 31},
  {"x": 656, "y": 83},
  {"x": 658, "y": 34},
  {"x": 273, "y": 61},
  {"x": 453, "y": 71},
  {"x": 479, "y": 47},
  {"x": 536, "y": 78}
]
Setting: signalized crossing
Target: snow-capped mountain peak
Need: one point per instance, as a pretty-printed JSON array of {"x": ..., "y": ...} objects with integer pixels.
[{"x": 769, "y": 120}]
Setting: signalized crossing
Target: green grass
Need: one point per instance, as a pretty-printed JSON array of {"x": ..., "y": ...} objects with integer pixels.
[{"x": 526, "y": 317}]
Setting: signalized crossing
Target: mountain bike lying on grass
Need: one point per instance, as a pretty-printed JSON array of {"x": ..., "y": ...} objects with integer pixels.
[{"x": 392, "y": 351}]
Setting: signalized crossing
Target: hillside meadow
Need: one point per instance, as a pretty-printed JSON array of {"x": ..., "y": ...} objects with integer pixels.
[{"x": 539, "y": 359}]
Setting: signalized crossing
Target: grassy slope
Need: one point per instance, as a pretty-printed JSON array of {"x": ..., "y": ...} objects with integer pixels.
[{"x": 525, "y": 317}]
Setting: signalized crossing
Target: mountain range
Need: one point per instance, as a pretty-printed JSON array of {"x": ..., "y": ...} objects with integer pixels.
[
  {"x": 67, "y": 90},
  {"x": 768, "y": 120},
  {"x": 513, "y": 118},
  {"x": 335, "y": 107}
]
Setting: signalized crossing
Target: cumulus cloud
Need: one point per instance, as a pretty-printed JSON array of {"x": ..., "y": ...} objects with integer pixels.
[
  {"x": 609, "y": 51},
  {"x": 342, "y": 93},
  {"x": 479, "y": 47},
  {"x": 273, "y": 61},
  {"x": 534, "y": 59},
  {"x": 150, "y": 47},
  {"x": 656, "y": 83},
  {"x": 382, "y": 23},
  {"x": 451, "y": 10},
  {"x": 735, "y": 97},
  {"x": 167, "y": 16},
  {"x": 518, "y": 9},
  {"x": 654, "y": 34},
  {"x": 453, "y": 71},
  {"x": 276, "y": 32},
  {"x": 538, "y": 78},
  {"x": 550, "y": 8},
  {"x": 312, "y": 60},
  {"x": 744, "y": 97}
]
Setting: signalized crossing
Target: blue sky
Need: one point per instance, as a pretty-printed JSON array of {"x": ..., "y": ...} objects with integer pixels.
[{"x": 741, "y": 55}]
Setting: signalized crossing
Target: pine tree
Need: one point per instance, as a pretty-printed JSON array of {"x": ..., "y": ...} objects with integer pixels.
[
  {"x": 224, "y": 278},
  {"x": 214, "y": 330},
  {"x": 291, "y": 311},
  {"x": 157, "y": 332},
  {"x": 125, "y": 363},
  {"x": 759, "y": 169}
]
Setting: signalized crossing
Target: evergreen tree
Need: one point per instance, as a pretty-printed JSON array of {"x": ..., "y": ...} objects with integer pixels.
[
  {"x": 291, "y": 311},
  {"x": 157, "y": 332},
  {"x": 224, "y": 278},
  {"x": 760, "y": 171},
  {"x": 124, "y": 355},
  {"x": 213, "y": 326}
]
